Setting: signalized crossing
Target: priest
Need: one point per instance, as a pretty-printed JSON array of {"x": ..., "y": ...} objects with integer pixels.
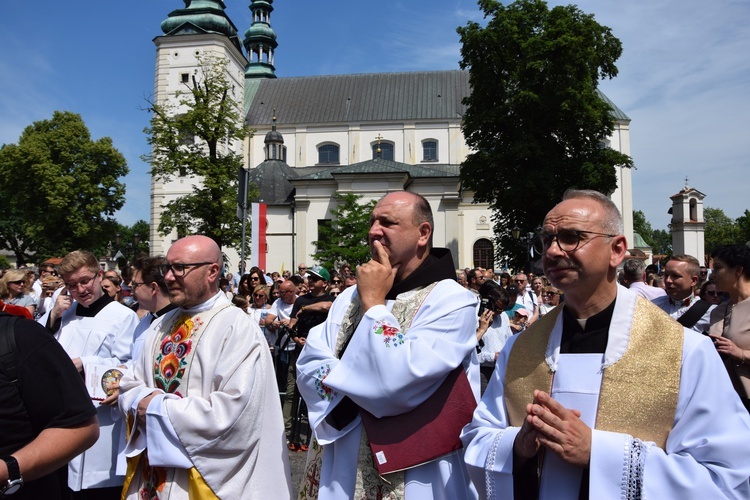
[
  {"x": 606, "y": 396},
  {"x": 202, "y": 406},
  {"x": 387, "y": 345}
]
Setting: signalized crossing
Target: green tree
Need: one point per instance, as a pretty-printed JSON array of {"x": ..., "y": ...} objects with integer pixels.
[
  {"x": 59, "y": 189},
  {"x": 345, "y": 238},
  {"x": 743, "y": 226},
  {"x": 720, "y": 229},
  {"x": 134, "y": 242},
  {"x": 192, "y": 137},
  {"x": 535, "y": 120},
  {"x": 659, "y": 240}
]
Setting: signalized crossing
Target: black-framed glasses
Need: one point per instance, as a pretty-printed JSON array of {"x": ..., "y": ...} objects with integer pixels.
[
  {"x": 180, "y": 270},
  {"x": 568, "y": 240},
  {"x": 336, "y": 282},
  {"x": 135, "y": 284},
  {"x": 260, "y": 295}
]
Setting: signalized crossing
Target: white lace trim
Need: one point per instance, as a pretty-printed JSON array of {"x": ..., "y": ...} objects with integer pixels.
[
  {"x": 636, "y": 460},
  {"x": 490, "y": 466}
]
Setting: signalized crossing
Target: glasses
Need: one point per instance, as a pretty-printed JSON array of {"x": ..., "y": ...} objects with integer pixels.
[
  {"x": 712, "y": 293},
  {"x": 84, "y": 282},
  {"x": 551, "y": 294},
  {"x": 286, "y": 291},
  {"x": 302, "y": 268},
  {"x": 520, "y": 281},
  {"x": 567, "y": 240},
  {"x": 180, "y": 270},
  {"x": 17, "y": 282},
  {"x": 336, "y": 282},
  {"x": 260, "y": 295},
  {"x": 135, "y": 284}
]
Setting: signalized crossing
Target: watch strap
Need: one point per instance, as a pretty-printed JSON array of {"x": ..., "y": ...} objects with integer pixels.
[{"x": 14, "y": 471}]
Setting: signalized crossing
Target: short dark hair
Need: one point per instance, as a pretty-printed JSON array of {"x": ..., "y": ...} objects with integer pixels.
[
  {"x": 149, "y": 269},
  {"x": 734, "y": 256}
]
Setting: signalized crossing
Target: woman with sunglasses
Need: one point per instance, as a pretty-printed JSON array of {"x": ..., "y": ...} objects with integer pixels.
[
  {"x": 14, "y": 290},
  {"x": 258, "y": 310},
  {"x": 249, "y": 281}
]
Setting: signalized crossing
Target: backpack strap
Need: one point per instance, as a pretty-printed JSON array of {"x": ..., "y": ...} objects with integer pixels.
[{"x": 8, "y": 356}]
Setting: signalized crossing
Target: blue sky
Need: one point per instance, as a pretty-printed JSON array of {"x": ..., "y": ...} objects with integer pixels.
[{"x": 684, "y": 75}]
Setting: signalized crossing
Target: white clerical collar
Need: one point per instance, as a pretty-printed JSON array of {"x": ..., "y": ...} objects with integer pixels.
[{"x": 214, "y": 301}]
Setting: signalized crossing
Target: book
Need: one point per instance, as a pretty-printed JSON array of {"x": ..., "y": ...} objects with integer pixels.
[
  {"x": 426, "y": 433},
  {"x": 98, "y": 378}
]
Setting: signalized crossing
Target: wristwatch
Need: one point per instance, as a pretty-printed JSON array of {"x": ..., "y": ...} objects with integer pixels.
[{"x": 15, "y": 481}]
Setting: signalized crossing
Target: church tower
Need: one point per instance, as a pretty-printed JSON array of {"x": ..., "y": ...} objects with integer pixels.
[
  {"x": 260, "y": 41},
  {"x": 688, "y": 225},
  {"x": 201, "y": 29}
]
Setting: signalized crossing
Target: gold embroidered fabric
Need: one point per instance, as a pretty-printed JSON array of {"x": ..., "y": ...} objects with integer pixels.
[{"x": 639, "y": 391}]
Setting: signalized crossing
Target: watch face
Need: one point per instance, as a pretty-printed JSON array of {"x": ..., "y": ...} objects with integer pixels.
[{"x": 13, "y": 486}]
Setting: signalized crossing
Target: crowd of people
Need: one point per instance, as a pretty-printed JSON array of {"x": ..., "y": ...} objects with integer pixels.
[{"x": 203, "y": 380}]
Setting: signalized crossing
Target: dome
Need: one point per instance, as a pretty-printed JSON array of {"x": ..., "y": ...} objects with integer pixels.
[{"x": 274, "y": 136}]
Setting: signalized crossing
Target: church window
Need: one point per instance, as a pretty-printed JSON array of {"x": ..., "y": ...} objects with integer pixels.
[
  {"x": 184, "y": 77},
  {"x": 386, "y": 150},
  {"x": 328, "y": 154},
  {"x": 429, "y": 150},
  {"x": 484, "y": 254}
]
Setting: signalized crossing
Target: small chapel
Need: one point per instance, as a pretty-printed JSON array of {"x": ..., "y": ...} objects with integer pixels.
[{"x": 367, "y": 134}]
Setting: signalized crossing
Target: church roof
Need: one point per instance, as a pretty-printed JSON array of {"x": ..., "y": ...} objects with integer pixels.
[
  {"x": 381, "y": 166},
  {"x": 367, "y": 97},
  {"x": 272, "y": 178}
]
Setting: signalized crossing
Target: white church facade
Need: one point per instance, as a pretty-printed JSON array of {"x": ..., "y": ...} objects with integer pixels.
[{"x": 366, "y": 134}]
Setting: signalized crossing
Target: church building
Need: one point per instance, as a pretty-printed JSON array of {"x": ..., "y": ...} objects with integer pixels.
[{"x": 367, "y": 134}]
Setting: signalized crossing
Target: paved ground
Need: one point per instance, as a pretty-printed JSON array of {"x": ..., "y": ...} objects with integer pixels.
[{"x": 297, "y": 461}]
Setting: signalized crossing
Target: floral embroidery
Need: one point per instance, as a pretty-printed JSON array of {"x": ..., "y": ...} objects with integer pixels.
[
  {"x": 170, "y": 363},
  {"x": 323, "y": 390},
  {"x": 153, "y": 480},
  {"x": 392, "y": 335}
]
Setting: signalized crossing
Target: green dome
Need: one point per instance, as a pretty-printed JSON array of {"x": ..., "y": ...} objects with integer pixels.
[
  {"x": 205, "y": 16},
  {"x": 260, "y": 30}
]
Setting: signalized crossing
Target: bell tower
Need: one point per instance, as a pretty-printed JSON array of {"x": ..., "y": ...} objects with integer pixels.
[{"x": 688, "y": 225}]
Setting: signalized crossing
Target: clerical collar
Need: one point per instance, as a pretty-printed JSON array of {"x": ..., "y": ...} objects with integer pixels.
[
  {"x": 590, "y": 339},
  {"x": 436, "y": 267},
  {"x": 94, "y": 308},
  {"x": 164, "y": 310}
]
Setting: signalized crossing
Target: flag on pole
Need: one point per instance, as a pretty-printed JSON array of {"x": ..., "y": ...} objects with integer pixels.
[{"x": 258, "y": 244}]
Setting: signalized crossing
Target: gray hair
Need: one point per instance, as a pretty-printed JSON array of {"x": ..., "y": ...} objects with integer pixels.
[
  {"x": 633, "y": 269},
  {"x": 612, "y": 223}
]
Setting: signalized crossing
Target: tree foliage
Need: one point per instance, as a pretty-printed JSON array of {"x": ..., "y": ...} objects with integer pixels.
[
  {"x": 659, "y": 240},
  {"x": 720, "y": 229},
  {"x": 194, "y": 136},
  {"x": 59, "y": 189},
  {"x": 535, "y": 121},
  {"x": 345, "y": 238}
]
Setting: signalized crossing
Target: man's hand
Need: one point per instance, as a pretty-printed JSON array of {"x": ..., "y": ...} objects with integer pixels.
[
  {"x": 78, "y": 364},
  {"x": 375, "y": 278},
  {"x": 559, "y": 429},
  {"x": 62, "y": 304},
  {"x": 142, "y": 406}
]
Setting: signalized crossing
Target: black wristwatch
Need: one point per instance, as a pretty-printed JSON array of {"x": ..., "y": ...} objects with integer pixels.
[{"x": 15, "y": 481}]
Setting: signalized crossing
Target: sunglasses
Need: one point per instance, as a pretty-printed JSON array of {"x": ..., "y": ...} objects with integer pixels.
[
  {"x": 333, "y": 294},
  {"x": 336, "y": 281},
  {"x": 260, "y": 295},
  {"x": 712, "y": 293}
]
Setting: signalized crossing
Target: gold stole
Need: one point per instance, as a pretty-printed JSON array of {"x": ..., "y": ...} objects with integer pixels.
[
  {"x": 369, "y": 484},
  {"x": 182, "y": 333},
  {"x": 639, "y": 391}
]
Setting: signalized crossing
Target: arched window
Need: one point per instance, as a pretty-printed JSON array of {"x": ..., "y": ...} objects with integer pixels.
[
  {"x": 429, "y": 150},
  {"x": 328, "y": 154},
  {"x": 484, "y": 254},
  {"x": 386, "y": 150}
]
